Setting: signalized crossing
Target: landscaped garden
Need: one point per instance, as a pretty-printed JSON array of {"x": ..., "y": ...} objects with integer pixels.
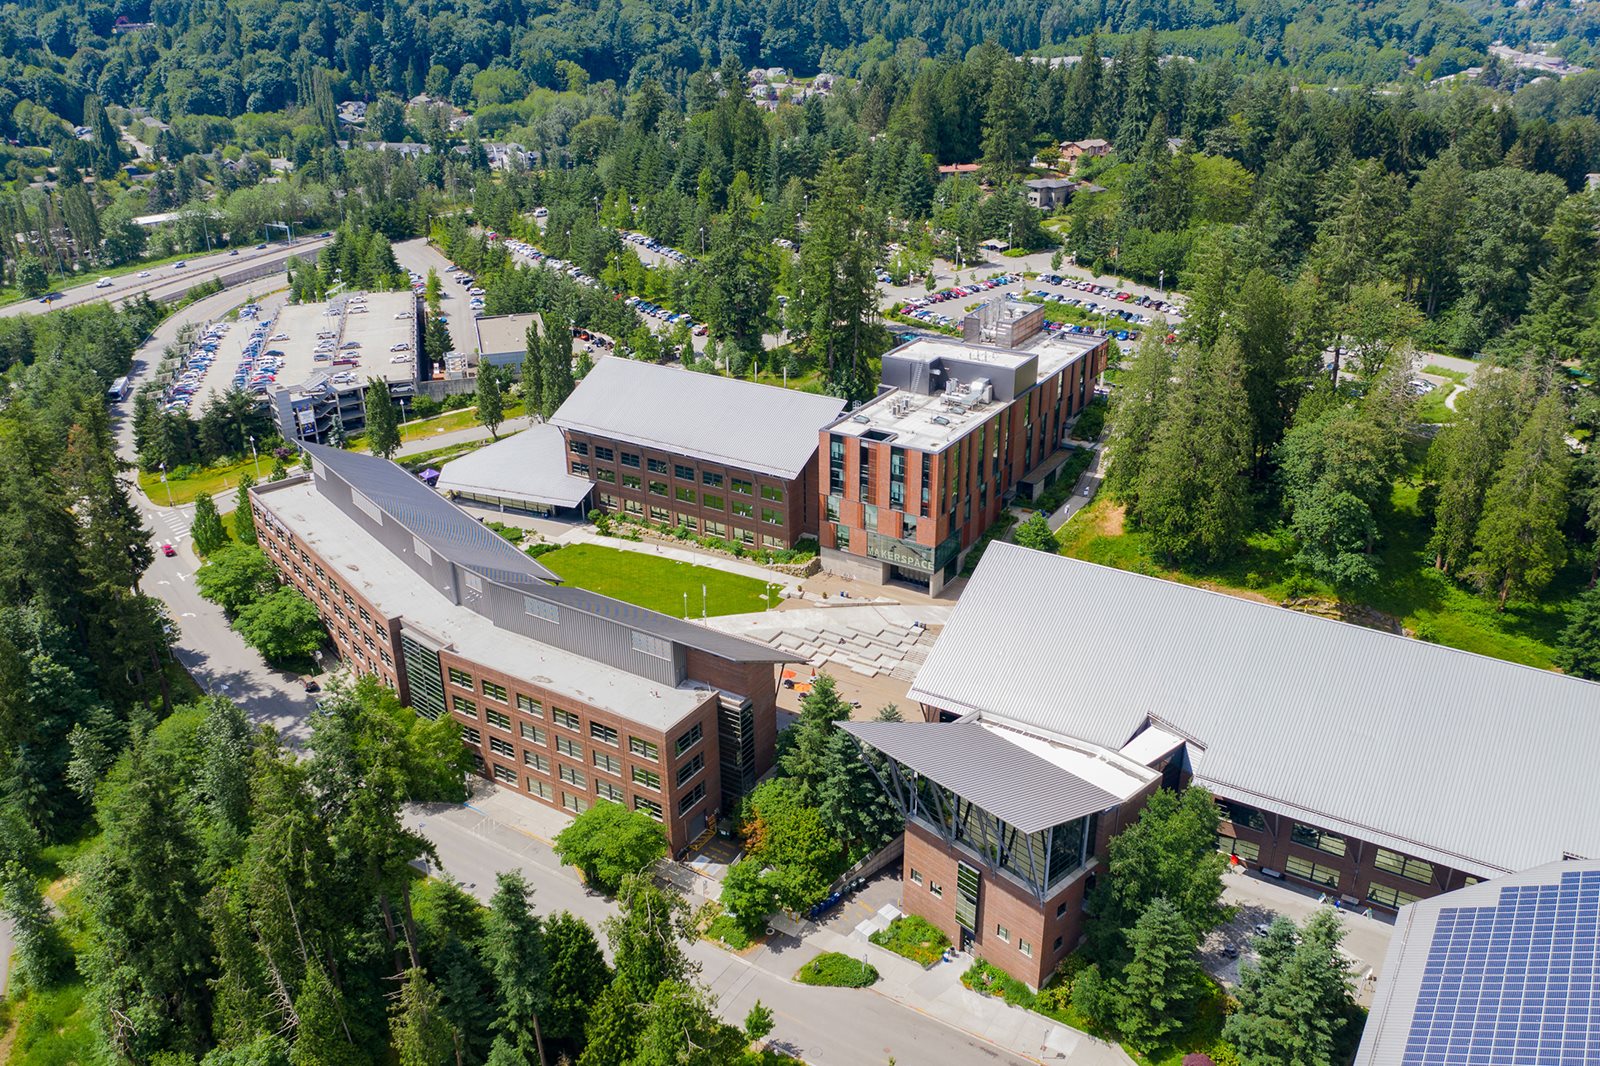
[
  {"x": 837, "y": 970},
  {"x": 913, "y": 937},
  {"x": 658, "y": 583}
]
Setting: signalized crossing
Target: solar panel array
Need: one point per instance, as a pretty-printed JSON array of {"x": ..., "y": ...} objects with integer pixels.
[{"x": 1514, "y": 983}]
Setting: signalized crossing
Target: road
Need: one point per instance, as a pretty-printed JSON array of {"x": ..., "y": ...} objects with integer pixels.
[
  {"x": 831, "y": 1026},
  {"x": 166, "y": 282},
  {"x": 419, "y": 255},
  {"x": 217, "y": 658}
]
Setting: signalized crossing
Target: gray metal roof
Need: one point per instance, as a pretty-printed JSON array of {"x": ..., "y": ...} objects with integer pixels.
[
  {"x": 441, "y": 525},
  {"x": 530, "y": 465},
  {"x": 722, "y": 420},
  {"x": 464, "y": 540},
  {"x": 1460, "y": 759},
  {"x": 1013, "y": 784},
  {"x": 1478, "y": 1008}
]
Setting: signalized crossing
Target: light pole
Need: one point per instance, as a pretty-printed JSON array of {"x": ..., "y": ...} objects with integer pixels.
[
  {"x": 167, "y": 483},
  {"x": 1162, "y": 282},
  {"x": 256, "y": 456}
]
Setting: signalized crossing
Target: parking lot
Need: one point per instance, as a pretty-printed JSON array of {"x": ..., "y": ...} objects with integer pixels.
[{"x": 227, "y": 355}]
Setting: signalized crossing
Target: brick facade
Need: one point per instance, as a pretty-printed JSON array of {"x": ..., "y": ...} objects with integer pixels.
[{"x": 713, "y": 499}]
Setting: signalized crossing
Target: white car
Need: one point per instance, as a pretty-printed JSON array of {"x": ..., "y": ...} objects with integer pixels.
[
  {"x": 103, "y": 283},
  {"x": 180, "y": 264},
  {"x": 401, "y": 347},
  {"x": 144, "y": 273}
]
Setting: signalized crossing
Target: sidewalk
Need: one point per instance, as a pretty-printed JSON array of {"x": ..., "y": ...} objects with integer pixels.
[
  {"x": 461, "y": 436},
  {"x": 1090, "y": 480}
]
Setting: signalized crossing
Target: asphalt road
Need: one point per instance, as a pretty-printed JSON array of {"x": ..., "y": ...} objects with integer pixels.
[
  {"x": 832, "y": 1026},
  {"x": 217, "y": 658},
  {"x": 419, "y": 255},
  {"x": 168, "y": 282}
]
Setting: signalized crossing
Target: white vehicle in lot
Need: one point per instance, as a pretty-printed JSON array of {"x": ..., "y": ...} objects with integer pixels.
[
  {"x": 401, "y": 347},
  {"x": 103, "y": 283}
]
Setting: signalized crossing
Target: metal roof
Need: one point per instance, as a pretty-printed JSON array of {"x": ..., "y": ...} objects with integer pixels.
[
  {"x": 529, "y": 466},
  {"x": 464, "y": 540},
  {"x": 1475, "y": 763},
  {"x": 979, "y": 764},
  {"x": 1462, "y": 967},
  {"x": 722, "y": 420}
]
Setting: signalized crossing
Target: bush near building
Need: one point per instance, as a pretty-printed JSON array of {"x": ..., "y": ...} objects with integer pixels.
[
  {"x": 608, "y": 843},
  {"x": 837, "y": 970},
  {"x": 913, "y": 937}
]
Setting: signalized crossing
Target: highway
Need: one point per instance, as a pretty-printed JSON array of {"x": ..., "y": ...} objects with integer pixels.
[{"x": 167, "y": 282}]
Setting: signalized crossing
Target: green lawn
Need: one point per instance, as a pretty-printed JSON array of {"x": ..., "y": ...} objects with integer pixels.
[
  {"x": 1425, "y": 601},
  {"x": 218, "y": 480},
  {"x": 658, "y": 583}
]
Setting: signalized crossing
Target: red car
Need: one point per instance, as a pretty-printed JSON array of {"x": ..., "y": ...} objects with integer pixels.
[{"x": 168, "y": 550}]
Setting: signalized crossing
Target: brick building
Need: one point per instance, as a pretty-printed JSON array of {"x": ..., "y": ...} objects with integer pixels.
[
  {"x": 1364, "y": 764},
  {"x": 724, "y": 457},
  {"x": 913, "y": 478},
  {"x": 563, "y": 695}
]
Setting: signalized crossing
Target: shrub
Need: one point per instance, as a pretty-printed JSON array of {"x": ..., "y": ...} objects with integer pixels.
[
  {"x": 1093, "y": 997},
  {"x": 544, "y": 548},
  {"x": 1298, "y": 586},
  {"x": 990, "y": 980},
  {"x": 837, "y": 970},
  {"x": 727, "y": 929},
  {"x": 1091, "y": 420},
  {"x": 608, "y": 842},
  {"x": 512, "y": 533},
  {"x": 913, "y": 937}
]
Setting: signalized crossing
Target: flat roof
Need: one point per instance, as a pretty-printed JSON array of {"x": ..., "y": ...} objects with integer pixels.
[
  {"x": 503, "y": 333},
  {"x": 737, "y": 423},
  {"x": 934, "y": 422},
  {"x": 364, "y": 562},
  {"x": 1470, "y": 762},
  {"x": 1464, "y": 969},
  {"x": 376, "y": 330},
  {"x": 530, "y": 465},
  {"x": 1024, "y": 777}
]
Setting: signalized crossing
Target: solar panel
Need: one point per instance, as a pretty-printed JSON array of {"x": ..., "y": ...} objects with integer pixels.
[{"x": 1516, "y": 982}]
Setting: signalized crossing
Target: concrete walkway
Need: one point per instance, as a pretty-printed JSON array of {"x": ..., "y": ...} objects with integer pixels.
[
  {"x": 1082, "y": 493},
  {"x": 461, "y": 436}
]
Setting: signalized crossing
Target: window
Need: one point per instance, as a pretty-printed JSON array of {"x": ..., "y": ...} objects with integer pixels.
[
  {"x": 502, "y": 747},
  {"x": 743, "y": 487},
  {"x": 916, "y": 876},
  {"x": 772, "y": 492},
  {"x": 1309, "y": 836},
  {"x": 1057, "y": 945},
  {"x": 1385, "y": 896},
  {"x": 682, "y": 495},
  {"x": 692, "y": 767},
  {"x": 771, "y": 517},
  {"x": 658, "y": 488},
  {"x": 471, "y": 736},
  {"x": 630, "y": 459},
  {"x": 542, "y": 609},
  {"x": 608, "y": 791},
  {"x": 1248, "y": 850},
  {"x": 603, "y": 453},
  {"x": 644, "y": 749},
  {"x": 462, "y": 705},
  {"x": 841, "y": 536},
  {"x": 575, "y": 804},
  {"x": 460, "y": 677},
  {"x": 1003, "y": 933},
  {"x": 745, "y": 536},
  {"x": 695, "y": 795},
  {"x": 498, "y": 719},
  {"x": 564, "y": 719},
  {"x": 609, "y": 763},
  {"x": 603, "y": 733},
  {"x": 530, "y": 706},
  {"x": 573, "y": 777},
  {"x": 1239, "y": 814},
  {"x": 1061, "y": 910},
  {"x": 687, "y": 521},
  {"x": 688, "y": 740},
  {"x": 540, "y": 788},
  {"x": 646, "y": 644},
  {"x": 569, "y": 747},
  {"x": 633, "y": 506},
  {"x": 714, "y": 480},
  {"x": 1407, "y": 867},
  {"x": 494, "y": 691},
  {"x": 682, "y": 473},
  {"x": 578, "y": 447},
  {"x": 657, "y": 466},
  {"x": 647, "y": 778},
  {"x": 660, "y": 514},
  {"x": 744, "y": 510},
  {"x": 830, "y": 509},
  {"x": 1025, "y": 947},
  {"x": 631, "y": 481},
  {"x": 608, "y": 476},
  {"x": 715, "y": 528},
  {"x": 647, "y": 806},
  {"x": 1307, "y": 870},
  {"x": 711, "y": 501},
  {"x": 608, "y": 502},
  {"x": 539, "y": 762},
  {"x": 934, "y": 888},
  {"x": 502, "y": 774}
]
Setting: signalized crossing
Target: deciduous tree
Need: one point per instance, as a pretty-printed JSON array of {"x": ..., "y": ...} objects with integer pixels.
[{"x": 608, "y": 842}]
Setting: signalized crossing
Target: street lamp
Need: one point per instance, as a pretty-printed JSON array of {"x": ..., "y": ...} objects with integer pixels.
[
  {"x": 254, "y": 455},
  {"x": 167, "y": 483}
]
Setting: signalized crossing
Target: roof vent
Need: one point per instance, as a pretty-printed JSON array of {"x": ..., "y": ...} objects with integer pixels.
[
  {"x": 863, "y": 419},
  {"x": 940, "y": 420}
]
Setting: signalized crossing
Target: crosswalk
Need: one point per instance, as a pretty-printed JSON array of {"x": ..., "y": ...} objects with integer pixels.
[{"x": 171, "y": 523}]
